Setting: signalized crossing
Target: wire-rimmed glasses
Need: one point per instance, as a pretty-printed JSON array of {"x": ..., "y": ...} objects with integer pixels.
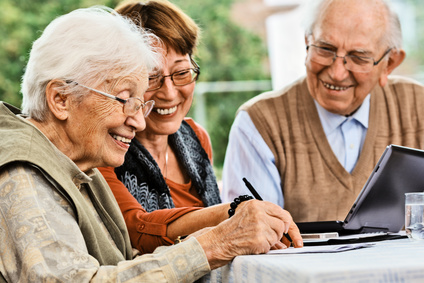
[
  {"x": 180, "y": 78},
  {"x": 130, "y": 105},
  {"x": 354, "y": 63}
]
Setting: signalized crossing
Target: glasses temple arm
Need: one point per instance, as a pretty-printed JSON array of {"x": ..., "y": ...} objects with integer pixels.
[{"x": 103, "y": 93}]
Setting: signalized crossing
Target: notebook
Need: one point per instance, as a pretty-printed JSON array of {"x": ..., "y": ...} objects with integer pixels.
[{"x": 380, "y": 206}]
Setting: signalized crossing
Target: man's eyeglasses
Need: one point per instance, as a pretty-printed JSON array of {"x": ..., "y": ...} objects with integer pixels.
[
  {"x": 180, "y": 78},
  {"x": 130, "y": 105},
  {"x": 354, "y": 63}
]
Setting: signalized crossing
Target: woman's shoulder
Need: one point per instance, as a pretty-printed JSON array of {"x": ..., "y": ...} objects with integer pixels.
[
  {"x": 197, "y": 128},
  {"x": 201, "y": 134}
]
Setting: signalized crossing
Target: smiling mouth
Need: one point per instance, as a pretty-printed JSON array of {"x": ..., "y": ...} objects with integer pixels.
[
  {"x": 121, "y": 139},
  {"x": 334, "y": 87},
  {"x": 166, "y": 111}
]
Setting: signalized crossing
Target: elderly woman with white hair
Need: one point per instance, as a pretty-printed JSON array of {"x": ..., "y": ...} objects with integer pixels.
[{"x": 82, "y": 104}]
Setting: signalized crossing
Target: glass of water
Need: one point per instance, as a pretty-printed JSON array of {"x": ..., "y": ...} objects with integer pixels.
[{"x": 414, "y": 215}]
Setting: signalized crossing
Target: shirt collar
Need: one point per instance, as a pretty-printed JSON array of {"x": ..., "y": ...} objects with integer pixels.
[{"x": 331, "y": 121}]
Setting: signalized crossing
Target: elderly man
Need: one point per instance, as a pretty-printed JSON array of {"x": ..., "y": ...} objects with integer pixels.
[{"x": 311, "y": 146}]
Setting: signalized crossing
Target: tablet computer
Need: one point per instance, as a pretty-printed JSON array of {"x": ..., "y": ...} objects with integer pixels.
[{"x": 380, "y": 206}]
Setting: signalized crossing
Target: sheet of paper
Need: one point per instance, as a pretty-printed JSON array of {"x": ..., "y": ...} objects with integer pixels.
[{"x": 322, "y": 249}]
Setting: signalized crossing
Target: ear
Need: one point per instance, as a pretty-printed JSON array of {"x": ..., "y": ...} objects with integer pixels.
[
  {"x": 308, "y": 38},
  {"x": 395, "y": 59},
  {"x": 57, "y": 101},
  {"x": 306, "y": 44}
]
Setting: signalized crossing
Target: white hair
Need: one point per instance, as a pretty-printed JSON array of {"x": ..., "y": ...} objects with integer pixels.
[
  {"x": 393, "y": 34},
  {"x": 88, "y": 46}
]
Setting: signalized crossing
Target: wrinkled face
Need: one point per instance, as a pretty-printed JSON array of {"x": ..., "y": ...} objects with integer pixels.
[
  {"x": 346, "y": 29},
  {"x": 172, "y": 103},
  {"x": 99, "y": 130}
]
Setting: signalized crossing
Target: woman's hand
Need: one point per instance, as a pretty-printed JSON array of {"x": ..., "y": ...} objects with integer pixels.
[{"x": 254, "y": 229}]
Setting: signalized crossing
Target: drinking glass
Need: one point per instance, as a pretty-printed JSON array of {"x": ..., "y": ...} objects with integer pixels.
[{"x": 414, "y": 215}]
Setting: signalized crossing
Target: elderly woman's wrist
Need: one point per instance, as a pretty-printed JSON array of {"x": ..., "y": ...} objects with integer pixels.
[
  {"x": 215, "y": 247},
  {"x": 236, "y": 202}
]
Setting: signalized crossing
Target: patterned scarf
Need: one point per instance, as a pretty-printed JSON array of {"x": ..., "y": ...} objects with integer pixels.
[{"x": 141, "y": 174}]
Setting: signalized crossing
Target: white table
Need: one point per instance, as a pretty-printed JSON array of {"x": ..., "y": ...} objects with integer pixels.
[{"x": 387, "y": 261}]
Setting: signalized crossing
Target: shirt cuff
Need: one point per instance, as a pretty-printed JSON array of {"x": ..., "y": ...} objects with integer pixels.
[{"x": 187, "y": 261}]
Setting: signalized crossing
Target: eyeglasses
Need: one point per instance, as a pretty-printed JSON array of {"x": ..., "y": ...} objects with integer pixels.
[
  {"x": 326, "y": 57},
  {"x": 130, "y": 105},
  {"x": 180, "y": 78}
]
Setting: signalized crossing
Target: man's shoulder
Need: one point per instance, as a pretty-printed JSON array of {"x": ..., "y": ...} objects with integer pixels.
[
  {"x": 400, "y": 86},
  {"x": 397, "y": 80},
  {"x": 269, "y": 95}
]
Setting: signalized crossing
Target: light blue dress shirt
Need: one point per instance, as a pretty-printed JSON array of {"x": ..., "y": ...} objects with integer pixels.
[
  {"x": 249, "y": 156},
  {"x": 346, "y": 135}
]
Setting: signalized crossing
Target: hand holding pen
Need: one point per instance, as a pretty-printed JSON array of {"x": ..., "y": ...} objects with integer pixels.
[{"x": 299, "y": 242}]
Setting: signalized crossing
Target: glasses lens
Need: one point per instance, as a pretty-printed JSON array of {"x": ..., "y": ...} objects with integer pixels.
[
  {"x": 359, "y": 64},
  {"x": 155, "y": 82},
  {"x": 322, "y": 52},
  {"x": 321, "y": 56},
  {"x": 132, "y": 105},
  {"x": 184, "y": 77},
  {"x": 148, "y": 106}
]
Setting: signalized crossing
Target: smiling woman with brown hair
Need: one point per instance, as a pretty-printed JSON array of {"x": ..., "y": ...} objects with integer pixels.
[
  {"x": 167, "y": 174},
  {"x": 169, "y": 163}
]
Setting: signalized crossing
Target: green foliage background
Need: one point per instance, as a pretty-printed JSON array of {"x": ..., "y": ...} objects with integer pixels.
[
  {"x": 21, "y": 22},
  {"x": 227, "y": 52}
]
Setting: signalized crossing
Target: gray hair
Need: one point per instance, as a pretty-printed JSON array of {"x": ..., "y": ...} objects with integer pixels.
[
  {"x": 393, "y": 38},
  {"x": 88, "y": 46}
]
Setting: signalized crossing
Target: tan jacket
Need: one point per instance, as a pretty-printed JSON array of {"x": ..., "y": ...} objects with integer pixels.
[
  {"x": 29, "y": 145},
  {"x": 59, "y": 224}
]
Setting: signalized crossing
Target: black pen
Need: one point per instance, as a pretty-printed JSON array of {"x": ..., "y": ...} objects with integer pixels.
[
  {"x": 258, "y": 197},
  {"x": 252, "y": 189}
]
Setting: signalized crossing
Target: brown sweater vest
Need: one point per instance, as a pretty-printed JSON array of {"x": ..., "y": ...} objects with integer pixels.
[{"x": 315, "y": 185}]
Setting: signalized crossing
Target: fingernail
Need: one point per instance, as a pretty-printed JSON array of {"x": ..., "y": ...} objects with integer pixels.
[{"x": 299, "y": 244}]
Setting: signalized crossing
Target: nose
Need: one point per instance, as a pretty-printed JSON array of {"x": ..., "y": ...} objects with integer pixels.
[
  {"x": 136, "y": 121},
  {"x": 169, "y": 88},
  {"x": 338, "y": 70}
]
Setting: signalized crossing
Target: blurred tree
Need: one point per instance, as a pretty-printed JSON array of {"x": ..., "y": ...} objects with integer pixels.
[{"x": 21, "y": 22}]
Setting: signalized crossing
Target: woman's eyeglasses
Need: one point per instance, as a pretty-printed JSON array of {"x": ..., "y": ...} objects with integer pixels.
[
  {"x": 180, "y": 78},
  {"x": 130, "y": 106}
]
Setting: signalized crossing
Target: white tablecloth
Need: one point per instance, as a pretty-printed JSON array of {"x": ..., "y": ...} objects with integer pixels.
[{"x": 387, "y": 261}]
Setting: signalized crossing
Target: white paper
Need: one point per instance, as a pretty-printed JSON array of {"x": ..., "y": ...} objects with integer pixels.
[{"x": 322, "y": 249}]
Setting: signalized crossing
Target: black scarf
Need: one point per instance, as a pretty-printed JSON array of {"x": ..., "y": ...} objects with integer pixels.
[{"x": 141, "y": 174}]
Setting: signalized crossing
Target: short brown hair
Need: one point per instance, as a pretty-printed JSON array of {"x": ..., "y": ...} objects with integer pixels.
[{"x": 175, "y": 28}]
